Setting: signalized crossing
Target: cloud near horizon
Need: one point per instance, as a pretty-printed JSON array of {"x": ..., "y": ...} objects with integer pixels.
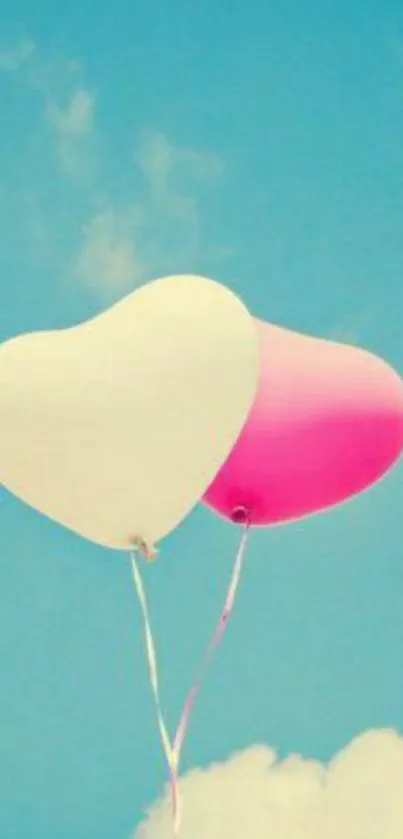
[{"x": 253, "y": 795}]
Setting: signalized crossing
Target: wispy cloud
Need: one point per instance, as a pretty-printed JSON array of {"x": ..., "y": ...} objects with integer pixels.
[
  {"x": 253, "y": 795},
  {"x": 76, "y": 119},
  {"x": 161, "y": 229},
  {"x": 107, "y": 258},
  {"x": 12, "y": 59},
  {"x": 171, "y": 169},
  {"x": 177, "y": 179},
  {"x": 345, "y": 334},
  {"x": 157, "y": 225},
  {"x": 353, "y": 330},
  {"x": 72, "y": 126},
  {"x": 68, "y": 106}
]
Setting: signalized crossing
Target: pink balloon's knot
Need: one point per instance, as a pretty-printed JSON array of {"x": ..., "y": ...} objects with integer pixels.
[{"x": 240, "y": 515}]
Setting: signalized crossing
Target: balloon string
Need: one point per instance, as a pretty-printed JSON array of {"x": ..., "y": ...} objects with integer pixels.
[
  {"x": 154, "y": 681},
  {"x": 216, "y": 639},
  {"x": 173, "y": 752}
]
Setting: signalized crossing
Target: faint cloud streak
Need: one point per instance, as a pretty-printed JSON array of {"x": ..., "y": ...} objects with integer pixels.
[
  {"x": 156, "y": 225},
  {"x": 107, "y": 258},
  {"x": 161, "y": 231},
  {"x": 12, "y": 59},
  {"x": 72, "y": 126},
  {"x": 76, "y": 119}
]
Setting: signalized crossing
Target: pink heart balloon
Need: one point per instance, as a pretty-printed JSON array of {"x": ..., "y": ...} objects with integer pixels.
[{"x": 326, "y": 423}]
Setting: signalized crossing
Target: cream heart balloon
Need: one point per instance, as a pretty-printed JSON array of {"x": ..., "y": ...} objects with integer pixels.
[{"x": 115, "y": 427}]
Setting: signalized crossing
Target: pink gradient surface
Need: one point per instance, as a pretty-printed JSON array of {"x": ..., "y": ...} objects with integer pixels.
[{"x": 326, "y": 423}]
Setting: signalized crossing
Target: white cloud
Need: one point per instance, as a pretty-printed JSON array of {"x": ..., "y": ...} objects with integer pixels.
[
  {"x": 171, "y": 170},
  {"x": 254, "y": 796},
  {"x": 69, "y": 108},
  {"x": 72, "y": 126},
  {"x": 156, "y": 158},
  {"x": 76, "y": 119},
  {"x": 344, "y": 335},
  {"x": 12, "y": 59},
  {"x": 352, "y": 330},
  {"x": 156, "y": 227},
  {"x": 161, "y": 231},
  {"x": 176, "y": 178},
  {"x": 107, "y": 258}
]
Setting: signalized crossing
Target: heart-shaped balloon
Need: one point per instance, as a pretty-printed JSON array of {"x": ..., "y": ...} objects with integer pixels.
[
  {"x": 327, "y": 421},
  {"x": 115, "y": 427}
]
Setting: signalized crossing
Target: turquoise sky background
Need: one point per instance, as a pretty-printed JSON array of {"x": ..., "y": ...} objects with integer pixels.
[{"x": 260, "y": 144}]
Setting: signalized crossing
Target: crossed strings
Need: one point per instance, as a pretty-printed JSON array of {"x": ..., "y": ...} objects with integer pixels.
[{"x": 173, "y": 750}]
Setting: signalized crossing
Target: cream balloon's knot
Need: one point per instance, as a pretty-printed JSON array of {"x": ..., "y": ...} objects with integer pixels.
[{"x": 148, "y": 552}]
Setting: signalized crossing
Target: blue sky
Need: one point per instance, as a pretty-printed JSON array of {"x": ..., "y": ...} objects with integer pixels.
[{"x": 260, "y": 145}]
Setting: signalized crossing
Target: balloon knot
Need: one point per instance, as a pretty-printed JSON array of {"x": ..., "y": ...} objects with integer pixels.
[
  {"x": 148, "y": 552},
  {"x": 240, "y": 515}
]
